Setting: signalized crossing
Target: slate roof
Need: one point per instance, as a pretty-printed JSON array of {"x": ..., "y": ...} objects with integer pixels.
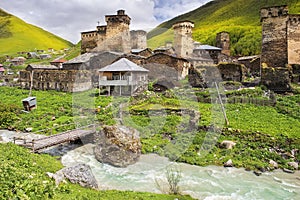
[
  {"x": 208, "y": 47},
  {"x": 41, "y": 67},
  {"x": 123, "y": 65},
  {"x": 82, "y": 58}
]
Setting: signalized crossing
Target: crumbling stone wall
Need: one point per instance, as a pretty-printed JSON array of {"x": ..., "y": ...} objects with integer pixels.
[
  {"x": 161, "y": 63},
  {"x": 232, "y": 71},
  {"x": 276, "y": 79},
  {"x": 295, "y": 76},
  {"x": 60, "y": 80}
]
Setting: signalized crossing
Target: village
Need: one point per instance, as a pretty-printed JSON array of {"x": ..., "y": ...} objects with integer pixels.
[
  {"x": 184, "y": 103},
  {"x": 114, "y": 58}
]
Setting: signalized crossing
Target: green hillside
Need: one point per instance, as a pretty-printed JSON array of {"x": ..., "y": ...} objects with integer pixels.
[
  {"x": 238, "y": 17},
  {"x": 16, "y": 35}
]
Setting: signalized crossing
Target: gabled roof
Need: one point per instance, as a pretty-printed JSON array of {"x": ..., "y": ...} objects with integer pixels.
[
  {"x": 208, "y": 47},
  {"x": 123, "y": 65},
  {"x": 29, "y": 67},
  {"x": 61, "y": 60},
  {"x": 82, "y": 58}
]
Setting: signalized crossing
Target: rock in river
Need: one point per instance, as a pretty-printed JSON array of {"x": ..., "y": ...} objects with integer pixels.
[
  {"x": 81, "y": 174},
  {"x": 118, "y": 146}
]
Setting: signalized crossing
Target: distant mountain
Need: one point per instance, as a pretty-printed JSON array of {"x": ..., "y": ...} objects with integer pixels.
[
  {"x": 17, "y": 35},
  {"x": 240, "y": 18}
]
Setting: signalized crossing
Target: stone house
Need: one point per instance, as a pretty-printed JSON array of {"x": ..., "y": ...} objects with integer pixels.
[
  {"x": 162, "y": 65},
  {"x": 232, "y": 71},
  {"x": 123, "y": 77},
  {"x": 17, "y": 61},
  {"x": 166, "y": 50},
  {"x": 252, "y": 63},
  {"x": 142, "y": 52},
  {"x": 50, "y": 77},
  {"x": 92, "y": 62}
]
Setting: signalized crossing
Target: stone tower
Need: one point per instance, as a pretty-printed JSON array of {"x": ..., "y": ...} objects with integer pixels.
[
  {"x": 183, "y": 41},
  {"x": 117, "y": 32},
  {"x": 274, "y": 53},
  {"x": 294, "y": 39},
  {"x": 223, "y": 42},
  {"x": 138, "y": 39},
  {"x": 274, "y": 36}
]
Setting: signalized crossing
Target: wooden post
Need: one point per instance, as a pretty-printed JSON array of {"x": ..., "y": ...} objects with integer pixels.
[
  {"x": 33, "y": 145},
  {"x": 223, "y": 109}
]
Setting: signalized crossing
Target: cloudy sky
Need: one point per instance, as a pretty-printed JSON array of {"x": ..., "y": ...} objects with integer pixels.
[{"x": 67, "y": 18}]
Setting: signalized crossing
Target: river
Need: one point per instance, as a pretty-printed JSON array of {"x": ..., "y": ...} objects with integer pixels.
[{"x": 208, "y": 183}]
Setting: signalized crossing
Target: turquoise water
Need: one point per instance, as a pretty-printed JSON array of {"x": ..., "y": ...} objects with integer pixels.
[{"x": 207, "y": 183}]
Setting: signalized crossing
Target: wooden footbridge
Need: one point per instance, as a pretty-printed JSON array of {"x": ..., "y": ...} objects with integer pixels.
[{"x": 38, "y": 144}]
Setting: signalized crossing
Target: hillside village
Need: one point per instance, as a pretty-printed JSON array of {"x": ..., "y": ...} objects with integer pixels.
[{"x": 276, "y": 67}]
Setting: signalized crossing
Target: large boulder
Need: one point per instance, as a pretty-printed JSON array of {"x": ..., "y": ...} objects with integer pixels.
[
  {"x": 227, "y": 144},
  {"x": 81, "y": 174},
  {"x": 119, "y": 146},
  {"x": 293, "y": 165}
]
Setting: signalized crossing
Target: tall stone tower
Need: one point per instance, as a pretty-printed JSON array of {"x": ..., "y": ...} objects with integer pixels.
[
  {"x": 183, "y": 41},
  {"x": 223, "y": 42},
  {"x": 274, "y": 36},
  {"x": 274, "y": 53},
  {"x": 138, "y": 39},
  {"x": 117, "y": 32},
  {"x": 294, "y": 39}
]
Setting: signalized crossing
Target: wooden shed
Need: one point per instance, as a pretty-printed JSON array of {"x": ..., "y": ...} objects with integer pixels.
[{"x": 29, "y": 103}]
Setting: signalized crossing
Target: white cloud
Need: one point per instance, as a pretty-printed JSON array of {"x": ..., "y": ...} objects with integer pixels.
[{"x": 68, "y": 18}]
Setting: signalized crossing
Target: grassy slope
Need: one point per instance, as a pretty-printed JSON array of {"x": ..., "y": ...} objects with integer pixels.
[
  {"x": 16, "y": 35},
  {"x": 238, "y": 17}
]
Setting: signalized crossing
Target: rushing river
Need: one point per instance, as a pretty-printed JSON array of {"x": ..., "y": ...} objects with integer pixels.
[
  {"x": 200, "y": 182},
  {"x": 207, "y": 183}
]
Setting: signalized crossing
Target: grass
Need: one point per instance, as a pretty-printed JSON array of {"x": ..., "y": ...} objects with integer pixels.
[
  {"x": 256, "y": 129},
  {"x": 23, "y": 176}
]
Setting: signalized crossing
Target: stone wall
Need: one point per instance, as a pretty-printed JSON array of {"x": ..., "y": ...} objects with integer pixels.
[
  {"x": 295, "y": 77},
  {"x": 294, "y": 39},
  {"x": 232, "y": 71},
  {"x": 161, "y": 64},
  {"x": 60, "y": 80},
  {"x": 276, "y": 79}
]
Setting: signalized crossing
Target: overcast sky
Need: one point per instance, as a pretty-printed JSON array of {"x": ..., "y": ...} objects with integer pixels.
[{"x": 67, "y": 18}]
